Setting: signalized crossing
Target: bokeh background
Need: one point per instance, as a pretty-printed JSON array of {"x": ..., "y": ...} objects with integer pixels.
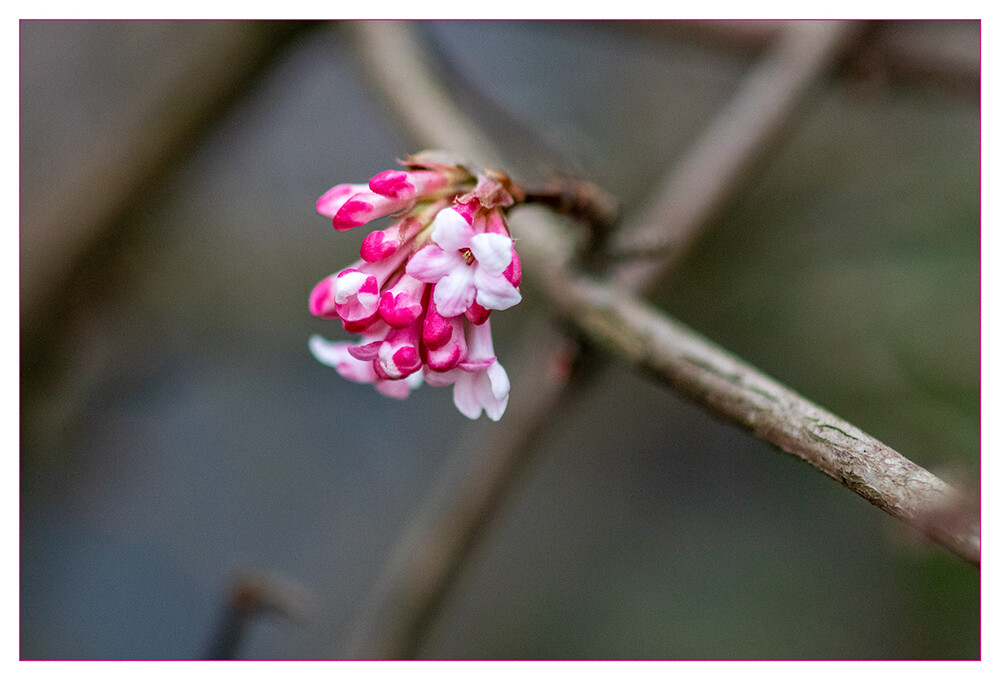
[{"x": 176, "y": 432}]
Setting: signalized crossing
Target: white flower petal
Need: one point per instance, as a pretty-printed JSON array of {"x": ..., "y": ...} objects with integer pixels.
[
  {"x": 494, "y": 291},
  {"x": 455, "y": 292},
  {"x": 451, "y": 231},
  {"x": 348, "y": 284},
  {"x": 326, "y": 352},
  {"x": 336, "y": 355},
  {"x": 492, "y": 251},
  {"x": 431, "y": 263},
  {"x": 499, "y": 382},
  {"x": 466, "y": 396}
]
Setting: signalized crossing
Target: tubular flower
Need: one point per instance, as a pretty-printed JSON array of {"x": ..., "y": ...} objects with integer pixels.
[
  {"x": 481, "y": 383},
  {"x": 422, "y": 293}
]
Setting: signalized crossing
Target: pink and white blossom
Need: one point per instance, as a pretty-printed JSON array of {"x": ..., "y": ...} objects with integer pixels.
[
  {"x": 402, "y": 302},
  {"x": 422, "y": 294},
  {"x": 363, "y": 207},
  {"x": 399, "y": 354},
  {"x": 480, "y": 382},
  {"x": 443, "y": 340},
  {"x": 383, "y": 243},
  {"x": 466, "y": 266},
  {"x": 337, "y": 355},
  {"x": 354, "y": 294},
  {"x": 407, "y": 185},
  {"x": 352, "y": 205},
  {"x": 330, "y": 203}
]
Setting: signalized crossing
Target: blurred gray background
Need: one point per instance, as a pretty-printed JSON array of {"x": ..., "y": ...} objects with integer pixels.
[{"x": 177, "y": 432}]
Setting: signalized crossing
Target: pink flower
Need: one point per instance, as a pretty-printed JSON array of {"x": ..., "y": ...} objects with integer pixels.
[
  {"x": 393, "y": 353},
  {"x": 333, "y": 200},
  {"x": 354, "y": 294},
  {"x": 351, "y": 295},
  {"x": 443, "y": 340},
  {"x": 382, "y": 243},
  {"x": 352, "y": 205},
  {"x": 401, "y": 303},
  {"x": 422, "y": 294},
  {"x": 466, "y": 266},
  {"x": 399, "y": 353},
  {"x": 481, "y": 383},
  {"x": 406, "y": 185},
  {"x": 338, "y": 355}
]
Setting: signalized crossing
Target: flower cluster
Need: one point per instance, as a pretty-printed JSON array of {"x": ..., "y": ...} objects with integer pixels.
[{"x": 421, "y": 295}]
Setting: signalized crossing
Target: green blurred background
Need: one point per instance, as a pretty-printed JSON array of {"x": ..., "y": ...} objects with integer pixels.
[{"x": 176, "y": 430}]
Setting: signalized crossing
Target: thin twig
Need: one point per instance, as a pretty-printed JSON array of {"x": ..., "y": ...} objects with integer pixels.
[
  {"x": 252, "y": 595},
  {"x": 394, "y": 61},
  {"x": 943, "y": 54}
]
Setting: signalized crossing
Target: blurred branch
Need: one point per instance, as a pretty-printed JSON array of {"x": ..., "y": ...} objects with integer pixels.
[
  {"x": 440, "y": 536},
  {"x": 438, "y": 539},
  {"x": 90, "y": 192},
  {"x": 407, "y": 86},
  {"x": 942, "y": 54},
  {"x": 701, "y": 185}
]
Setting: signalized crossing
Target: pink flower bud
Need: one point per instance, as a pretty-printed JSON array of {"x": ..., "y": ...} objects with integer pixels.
[
  {"x": 407, "y": 185},
  {"x": 365, "y": 206},
  {"x": 380, "y": 244},
  {"x": 355, "y": 295},
  {"x": 331, "y": 202},
  {"x": 477, "y": 314},
  {"x": 321, "y": 301},
  {"x": 438, "y": 329},
  {"x": 399, "y": 353},
  {"x": 339, "y": 355},
  {"x": 443, "y": 340},
  {"x": 400, "y": 305}
]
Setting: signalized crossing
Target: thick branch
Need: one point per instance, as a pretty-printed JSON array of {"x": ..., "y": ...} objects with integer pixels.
[{"x": 727, "y": 386}]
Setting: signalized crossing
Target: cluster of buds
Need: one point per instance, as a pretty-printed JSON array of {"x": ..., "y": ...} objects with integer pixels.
[{"x": 421, "y": 295}]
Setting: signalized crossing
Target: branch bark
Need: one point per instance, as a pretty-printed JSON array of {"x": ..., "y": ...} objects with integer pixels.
[{"x": 733, "y": 389}]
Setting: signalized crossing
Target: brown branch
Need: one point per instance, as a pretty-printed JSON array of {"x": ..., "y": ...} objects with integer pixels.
[
  {"x": 407, "y": 86},
  {"x": 729, "y": 387},
  {"x": 252, "y": 595}
]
